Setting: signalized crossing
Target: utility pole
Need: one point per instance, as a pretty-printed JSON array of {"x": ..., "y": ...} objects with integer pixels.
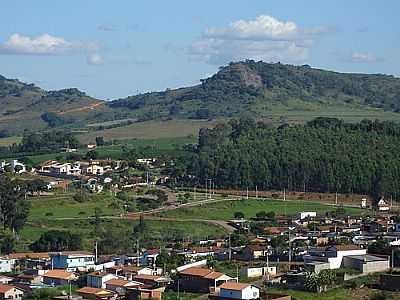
[
  {"x": 95, "y": 251},
  {"x": 284, "y": 194},
  {"x": 230, "y": 248},
  {"x": 206, "y": 188},
  {"x": 137, "y": 253},
  {"x": 290, "y": 251},
  {"x": 336, "y": 198},
  {"x": 256, "y": 192},
  {"x": 194, "y": 193},
  {"x": 247, "y": 193}
]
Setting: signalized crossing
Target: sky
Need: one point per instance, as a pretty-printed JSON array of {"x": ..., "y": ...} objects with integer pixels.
[{"x": 112, "y": 49}]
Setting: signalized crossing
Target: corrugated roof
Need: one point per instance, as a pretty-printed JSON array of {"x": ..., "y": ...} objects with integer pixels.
[{"x": 60, "y": 274}]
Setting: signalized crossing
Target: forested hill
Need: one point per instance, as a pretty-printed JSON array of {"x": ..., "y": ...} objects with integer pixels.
[
  {"x": 256, "y": 87},
  {"x": 324, "y": 155}
]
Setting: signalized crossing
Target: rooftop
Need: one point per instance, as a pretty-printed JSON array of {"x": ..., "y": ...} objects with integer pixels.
[{"x": 235, "y": 286}]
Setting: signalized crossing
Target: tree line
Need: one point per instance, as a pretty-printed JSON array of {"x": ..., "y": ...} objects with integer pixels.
[{"x": 323, "y": 155}]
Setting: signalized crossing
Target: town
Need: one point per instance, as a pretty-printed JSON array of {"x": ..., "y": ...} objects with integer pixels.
[{"x": 263, "y": 256}]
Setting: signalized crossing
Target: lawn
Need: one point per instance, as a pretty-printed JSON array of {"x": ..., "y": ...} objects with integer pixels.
[
  {"x": 64, "y": 206},
  {"x": 149, "y": 130},
  {"x": 226, "y": 210},
  {"x": 8, "y": 141}
]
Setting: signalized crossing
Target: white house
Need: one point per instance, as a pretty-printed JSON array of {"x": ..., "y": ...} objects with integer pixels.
[
  {"x": 5, "y": 265},
  {"x": 333, "y": 254},
  {"x": 307, "y": 214},
  {"x": 98, "y": 279},
  {"x": 236, "y": 290},
  {"x": 382, "y": 205},
  {"x": 252, "y": 272}
]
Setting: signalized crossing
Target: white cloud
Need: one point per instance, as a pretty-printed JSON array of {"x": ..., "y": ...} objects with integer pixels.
[
  {"x": 364, "y": 57},
  {"x": 44, "y": 44},
  {"x": 264, "y": 38},
  {"x": 95, "y": 59}
]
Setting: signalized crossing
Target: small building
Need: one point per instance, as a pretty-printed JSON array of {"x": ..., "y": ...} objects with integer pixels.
[
  {"x": 234, "y": 290},
  {"x": 144, "y": 293},
  {"x": 73, "y": 260},
  {"x": 98, "y": 279},
  {"x": 382, "y": 205},
  {"x": 253, "y": 252},
  {"x": 255, "y": 271},
  {"x": 202, "y": 280},
  {"x": 58, "y": 277},
  {"x": 307, "y": 214},
  {"x": 121, "y": 285},
  {"x": 5, "y": 265},
  {"x": 91, "y": 293},
  {"x": 316, "y": 266},
  {"x": 5, "y": 279},
  {"x": 364, "y": 203},
  {"x": 367, "y": 263},
  {"x": 10, "y": 292}
]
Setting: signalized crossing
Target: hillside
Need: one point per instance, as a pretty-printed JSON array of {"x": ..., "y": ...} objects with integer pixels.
[
  {"x": 278, "y": 92},
  {"x": 26, "y": 106},
  {"x": 260, "y": 88}
]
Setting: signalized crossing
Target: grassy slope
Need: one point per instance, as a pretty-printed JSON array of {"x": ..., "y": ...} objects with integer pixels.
[{"x": 226, "y": 210}]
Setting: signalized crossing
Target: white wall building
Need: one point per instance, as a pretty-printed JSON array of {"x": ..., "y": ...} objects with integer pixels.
[{"x": 236, "y": 290}]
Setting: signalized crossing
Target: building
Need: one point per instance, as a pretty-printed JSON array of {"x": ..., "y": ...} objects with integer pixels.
[
  {"x": 307, "y": 214},
  {"x": 6, "y": 265},
  {"x": 333, "y": 254},
  {"x": 58, "y": 277},
  {"x": 94, "y": 168},
  {"x": 261, "y": 271},
  {"x": 367, "y": 263},
  {"x": 144, "y": 293},
  {"x": 10, "y": 292},
  {"x": 234, "y": 290},
  {"x": 98, "y": 279},
  {"x": 202, "y": 280},
  {"x": 91, "y": 293},
  {"x": 5, "y": 279},
  {"x": 252, "y": 252},
  {"x": 73, "y": 260},
  {"x": 382, "y": 205},
  {"x": 121, "y": 285}
]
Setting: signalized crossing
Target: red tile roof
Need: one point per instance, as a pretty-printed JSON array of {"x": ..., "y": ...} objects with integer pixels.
[
  {"x": 59, "y": 274},
  {"x": 235, "y": 286},
  {"x": 5, "y": 288}
]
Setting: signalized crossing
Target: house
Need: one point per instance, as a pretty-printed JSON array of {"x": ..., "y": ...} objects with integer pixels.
[
  {"x": 198, "y": 252},
  {"x": 6, "y": 265},
  {"x": 58, "y": 277},
  {"x": 28, "y": 260},
  {"x": 202, "y": 280},
  {"x": 307, "y": 214},
  {"x": 5, "y": 279},
  {"x": 152, "y": 280},
  {"x": 10, "y": 292},
  {"x": 98, "y": 279},
  {"x": 150, "y": 256},
  {"x": 73, "y": 260},
  {"x": 235, "y": 290},
  {"x": 94, "y": 168},
  {"x": 121, "y": 285},
  {"x": 253, "y": 252},
  {"x": 367, "y": 263},
  {"x": 92, "y": 293},
  {"x": 258, "y": 271},
  {"x": 382, "y": 205},
  {"x": 144, "y": 293},
  {"x": 128, "y": 272},
  {"x": 333, "y": 254}
]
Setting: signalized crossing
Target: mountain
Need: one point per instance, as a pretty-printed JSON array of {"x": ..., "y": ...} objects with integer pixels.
[
  {"x": 26, "y": 106},
  {"x": 258, "y": 88}
]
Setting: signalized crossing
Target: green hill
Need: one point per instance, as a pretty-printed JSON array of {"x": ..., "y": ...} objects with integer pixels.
[
  {"x": 281, "y": 93},
  {"x": 260, "y": 89}
]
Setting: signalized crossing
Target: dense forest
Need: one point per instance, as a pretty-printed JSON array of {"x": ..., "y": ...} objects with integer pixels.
[{"x": 325, "y": 155}]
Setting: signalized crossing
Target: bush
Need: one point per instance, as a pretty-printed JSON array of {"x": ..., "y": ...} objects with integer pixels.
[{"x": 81, "y": 196}]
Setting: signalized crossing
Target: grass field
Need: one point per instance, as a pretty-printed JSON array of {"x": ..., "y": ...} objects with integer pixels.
[
  {"x": 61, "y": 212},
  {"x": 149, "y": 130},
  {"x": 8, "y": 141},
  {"x": 226, "y": 210}
]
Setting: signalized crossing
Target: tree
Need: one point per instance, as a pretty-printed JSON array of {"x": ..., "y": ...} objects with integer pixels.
[
  {"x": 238, "y": 215},
  {"x": 100, "y": 141},
  {"x": 261, "y": 215},
  {"x": 7, "y": 242},
  {"x": 14, "y": 209},
  {"x": 92, "y": 155},
  {"x": 124, "y": 196},
  {"x": 56, "y": 240}
]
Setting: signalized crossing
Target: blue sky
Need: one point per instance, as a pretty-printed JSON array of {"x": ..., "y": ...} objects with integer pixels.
[{"x": 113, "y": 49}]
